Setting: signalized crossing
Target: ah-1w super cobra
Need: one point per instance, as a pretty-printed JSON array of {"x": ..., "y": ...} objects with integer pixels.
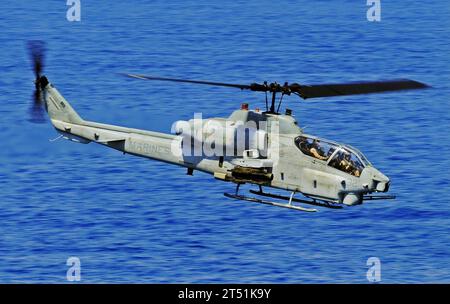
[{"x": 274, "y": 152}]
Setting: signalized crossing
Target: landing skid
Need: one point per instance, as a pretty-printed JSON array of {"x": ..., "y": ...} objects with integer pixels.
[
  {"x": 257, "y": 200},
  {"x": 314, "y": 203},
  {"x": 288, "y": 205}
]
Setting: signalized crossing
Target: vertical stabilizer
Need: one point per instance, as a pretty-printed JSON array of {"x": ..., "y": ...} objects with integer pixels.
[{"x": 57, "y": 106}]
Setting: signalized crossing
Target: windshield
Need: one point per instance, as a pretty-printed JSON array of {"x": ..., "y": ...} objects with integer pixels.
[
  {"x": 347, "y": 161},
  {"x": 342, "y": 157},
  {"x": 315, "y": 147},
  {"x": 361, "y": 156}
]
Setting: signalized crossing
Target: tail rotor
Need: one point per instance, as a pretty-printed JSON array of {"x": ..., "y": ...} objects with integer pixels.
[{"x": 36, "y": 50}]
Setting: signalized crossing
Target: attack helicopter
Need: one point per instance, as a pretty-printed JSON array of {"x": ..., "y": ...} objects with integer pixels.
[{"x": 264, "y": 148}]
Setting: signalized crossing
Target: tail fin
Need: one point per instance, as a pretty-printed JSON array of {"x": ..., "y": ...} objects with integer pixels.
[{"x": 57, "y": 106}]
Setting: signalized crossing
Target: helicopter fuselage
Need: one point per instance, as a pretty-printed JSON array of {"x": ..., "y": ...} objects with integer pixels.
[{"x": 285, "y": 158}]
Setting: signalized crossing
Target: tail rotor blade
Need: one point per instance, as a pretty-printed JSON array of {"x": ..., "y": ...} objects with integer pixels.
[
  {"x": 36, "y": 112},
  {"x": 36, "y": 49}
]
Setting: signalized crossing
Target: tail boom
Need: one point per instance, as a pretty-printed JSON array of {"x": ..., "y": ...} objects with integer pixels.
[{"x": 142, "y": 143}]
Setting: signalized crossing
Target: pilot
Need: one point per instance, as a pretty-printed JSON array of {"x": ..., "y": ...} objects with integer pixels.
[
  {"x": 356, "y": 168},
  {"x": 303, "y": 144},
  {"x": 346, "y": 164},
  {"x": 316, "y": 151}
]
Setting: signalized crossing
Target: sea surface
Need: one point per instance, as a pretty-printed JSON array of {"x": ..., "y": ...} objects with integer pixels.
[{"x": 130, "y": 220}]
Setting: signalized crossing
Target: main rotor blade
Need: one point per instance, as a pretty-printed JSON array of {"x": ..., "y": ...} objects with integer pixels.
[
  {"x": 239, "y": 86},
  {"x": 308, "y": 91},
  {"x": 325, "y": 90}
]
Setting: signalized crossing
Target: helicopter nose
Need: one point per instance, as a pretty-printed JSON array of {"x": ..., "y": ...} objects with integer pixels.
[
  {"x": 382, "y": 186},
  {"x": 382, "y": 182},
  {"x": 375, "y": 180}
]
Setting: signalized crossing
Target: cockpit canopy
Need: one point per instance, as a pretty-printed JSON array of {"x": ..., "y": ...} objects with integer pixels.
[{"x": 341, "y": 157}]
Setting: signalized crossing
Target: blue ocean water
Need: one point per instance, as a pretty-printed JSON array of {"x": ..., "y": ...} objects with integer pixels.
[{"x": 134, "y": 220}]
